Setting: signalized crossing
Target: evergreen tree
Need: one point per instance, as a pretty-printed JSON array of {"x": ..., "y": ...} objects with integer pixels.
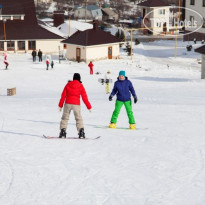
[
  {"x": 117, "y": 33},
  {"x": 128, "y": 49},
  {"x": 120, "y": 34},
  {"x": 137, "y": 41}
]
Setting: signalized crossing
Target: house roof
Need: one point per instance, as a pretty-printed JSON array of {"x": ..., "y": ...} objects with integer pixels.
[
  {"x": 23, "y": 29},
  {"x": 200, "y": 50},
  {"x": 153, "y": 3},
  {"x": 91, "y": 37},
  {"x": 108, "y": 11},
  {"x": 92, "y": 7}
]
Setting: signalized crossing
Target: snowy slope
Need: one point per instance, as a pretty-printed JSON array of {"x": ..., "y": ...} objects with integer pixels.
[{"x": 161, "y": 165}]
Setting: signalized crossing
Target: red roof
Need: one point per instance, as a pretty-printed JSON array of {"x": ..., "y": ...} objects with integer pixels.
[
  {"x": 91, "y": 37},
  {"x": 23, "y": 29},
  {"x": 154, "y": 3},
  {"x": 200, "y": 50}
]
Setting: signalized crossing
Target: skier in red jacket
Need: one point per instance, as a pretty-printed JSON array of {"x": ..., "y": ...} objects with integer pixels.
[
  {"x": 90, "y": 65},
  {"x": 70, "y": 100},
  {"x": 5, "y": 60}
]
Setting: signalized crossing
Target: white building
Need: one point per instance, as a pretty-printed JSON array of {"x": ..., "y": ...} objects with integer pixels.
[
  {"x": 21, "y": 32},
  {"x": 157, "y": 16},
  {"x": 92, "y": 45},
  {"x": 199, "y": 9},
  {"x": 90, "y": 12}
]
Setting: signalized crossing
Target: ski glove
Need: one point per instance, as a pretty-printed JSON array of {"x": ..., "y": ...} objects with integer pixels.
[
  {"x": 59, "y": 109},
  {"x": 135, "y": 99},
  {"x": 110, "y": 98}
]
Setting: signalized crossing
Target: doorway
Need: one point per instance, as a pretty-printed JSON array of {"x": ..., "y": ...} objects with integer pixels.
[
  {"x": 109, "y": 52},
  {"x": 78, "y": 55}
]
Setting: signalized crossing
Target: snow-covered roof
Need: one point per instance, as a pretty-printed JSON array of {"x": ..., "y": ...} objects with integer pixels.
[
  {"x": 74, "y": 26},
  {"x": 63, "y": 29}
]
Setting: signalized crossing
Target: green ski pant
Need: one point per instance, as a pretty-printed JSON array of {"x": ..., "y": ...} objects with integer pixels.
[{"x": 128, "y": 107}]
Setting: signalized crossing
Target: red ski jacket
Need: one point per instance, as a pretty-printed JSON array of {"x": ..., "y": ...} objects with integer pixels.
[
  {"x": 90, "y": 65},
  {"x": 71, "y": 94}
]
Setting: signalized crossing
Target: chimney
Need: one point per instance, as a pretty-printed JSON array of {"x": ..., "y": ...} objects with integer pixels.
[
  {"x": 95, "y": 25},
  {"x": 58, "y": 17}
]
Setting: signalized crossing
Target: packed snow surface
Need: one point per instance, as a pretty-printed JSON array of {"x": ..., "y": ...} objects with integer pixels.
[{"x": 161, "y": 163}]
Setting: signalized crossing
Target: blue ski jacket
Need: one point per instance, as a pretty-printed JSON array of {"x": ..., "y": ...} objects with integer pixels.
[{"x": 123, "y": 89}]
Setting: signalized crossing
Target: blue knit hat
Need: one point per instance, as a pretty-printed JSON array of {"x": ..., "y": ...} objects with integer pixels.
[{"x": 122, "y": 72}]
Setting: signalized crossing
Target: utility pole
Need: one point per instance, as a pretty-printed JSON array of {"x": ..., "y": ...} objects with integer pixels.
[
  {"x": 85, "y": 10},
  {"x": 131, "y": 44},
  {"x": 69, "y": 27},
  {"x": 68, "y": 23},
  {"x": 179, "y": 18},
  {"x": 4, "y": 22}
]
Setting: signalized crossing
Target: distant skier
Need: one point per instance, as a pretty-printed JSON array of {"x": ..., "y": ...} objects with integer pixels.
[
  {"x": 47, "y": 63},
  {"x": 5, "y": 61},
  {"x": 70, "y": 99},
  {"x": 52, "y": 64},
  {"x": 90, "y": 65},
  {"x": 122, "y": 88},
  {"x": 34, "y": 55}
]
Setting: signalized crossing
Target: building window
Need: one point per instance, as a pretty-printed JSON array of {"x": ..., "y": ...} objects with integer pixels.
[
  {"x": 158, "y": 24},
  {"x": 162, "y": 11},
  {"x": 10, "y": 46},
  {"x": 6, "y": 17},
  {"x": 32, "y": 45},
  {"x": 1, "y": 46},
  {"x": 191, "y": 20},
  {"x": 21, "y": 45},
  {"x": 192, "y": 2},
  {"x": 17, "y": 17},
  {"x": 203, "y": 3}
]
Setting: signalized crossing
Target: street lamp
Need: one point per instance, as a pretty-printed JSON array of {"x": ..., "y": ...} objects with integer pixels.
[{"x": 4, "y": 22}]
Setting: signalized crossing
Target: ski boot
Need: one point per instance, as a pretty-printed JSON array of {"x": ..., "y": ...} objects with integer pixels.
[
  {"x": 112, "y": 125},
  {"x": 62, "y": 133},
  {"x": 81, "y": 133},
  {"x": 132, "y": 127}
]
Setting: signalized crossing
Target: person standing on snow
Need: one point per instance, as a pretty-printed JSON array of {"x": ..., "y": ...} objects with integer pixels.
[
  {"x": 122, "y": 88},
  {"x": 90, "y": 65},
  {"x": 52, "y": 64},
  {"x": 40, "y": 54},
  {"x": 47, "y": 63},
  {"x": 70, "y": 100},
  {"x": 5, "y": 60},
  {"x": 34, "y": 55}
]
